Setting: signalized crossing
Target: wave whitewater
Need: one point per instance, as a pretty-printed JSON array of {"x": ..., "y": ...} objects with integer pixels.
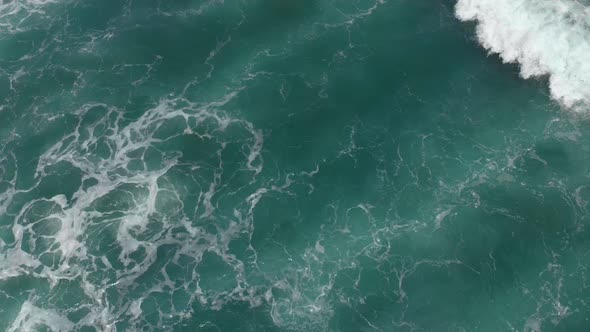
[{"x": 545, "y": 37}]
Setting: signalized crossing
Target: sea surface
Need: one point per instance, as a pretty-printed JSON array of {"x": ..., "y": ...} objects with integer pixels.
[{"x": 295, "y": 165}]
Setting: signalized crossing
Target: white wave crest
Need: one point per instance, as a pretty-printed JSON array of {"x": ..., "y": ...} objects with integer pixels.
[{"x": 546, "y": 37}]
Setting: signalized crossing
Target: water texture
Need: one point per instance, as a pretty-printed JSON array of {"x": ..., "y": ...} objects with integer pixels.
[{"x": 294, "y": 165}]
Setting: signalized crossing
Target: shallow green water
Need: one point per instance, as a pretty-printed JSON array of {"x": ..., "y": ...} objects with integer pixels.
[{"x": 282, "y": 165}]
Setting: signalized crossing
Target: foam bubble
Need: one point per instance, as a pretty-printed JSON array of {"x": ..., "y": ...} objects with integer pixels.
[
  {"x": 546, "y": 37},
  {"x": 130, "y": 196},
  {"x": 31, "y": 318}
]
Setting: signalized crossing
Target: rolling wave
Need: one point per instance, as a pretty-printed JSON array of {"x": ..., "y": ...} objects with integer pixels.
[{"x": 545, "y": 37}]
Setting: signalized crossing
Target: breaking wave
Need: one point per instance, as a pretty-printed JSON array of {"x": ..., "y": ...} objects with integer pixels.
[{"x": 545, "y": 37}]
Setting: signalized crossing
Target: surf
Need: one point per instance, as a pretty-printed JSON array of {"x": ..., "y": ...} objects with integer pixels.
[{"x": 546, "y": 38}]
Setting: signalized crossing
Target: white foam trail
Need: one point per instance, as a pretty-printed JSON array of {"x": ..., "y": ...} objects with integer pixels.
[
  {"x": 11, "y": 4},
  {"x": 30, "y": 318},
  {"x": 16, "y": 15},
  {"x": 123, "y": 169},
  {"x": 546, "y": 37}
]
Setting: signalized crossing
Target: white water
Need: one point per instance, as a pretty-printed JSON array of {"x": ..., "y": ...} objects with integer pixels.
[
  {"x": 20, "y": 16},
  {"x": 545, "y": 37}
]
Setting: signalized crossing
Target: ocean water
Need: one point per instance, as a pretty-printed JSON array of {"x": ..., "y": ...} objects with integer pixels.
[{"x": 295, "y": 165}]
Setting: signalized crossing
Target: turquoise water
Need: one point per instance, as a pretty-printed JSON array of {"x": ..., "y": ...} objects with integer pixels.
[{"x": 283, "y": 165}]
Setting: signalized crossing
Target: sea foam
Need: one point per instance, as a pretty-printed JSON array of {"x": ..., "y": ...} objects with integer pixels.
[{"x": 545, "y": 37}]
